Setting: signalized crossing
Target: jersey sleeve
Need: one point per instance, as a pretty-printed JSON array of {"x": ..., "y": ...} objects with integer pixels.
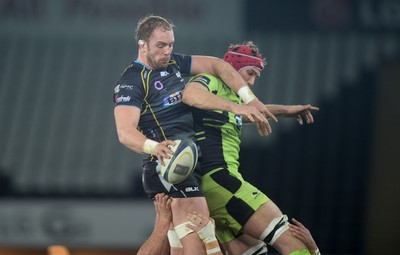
[
  {"x": 208, "y": 81},
  {"x": 129, "y": 94},
  {"x": 184, "y": 62}
]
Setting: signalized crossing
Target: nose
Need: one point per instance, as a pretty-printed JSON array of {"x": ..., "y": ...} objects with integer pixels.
[
  {"x": 251, "y": 81},
  {"x": 168, "y": 51}
]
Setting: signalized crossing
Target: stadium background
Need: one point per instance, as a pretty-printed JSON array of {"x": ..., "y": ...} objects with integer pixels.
[{"x": 65, "y": 179}]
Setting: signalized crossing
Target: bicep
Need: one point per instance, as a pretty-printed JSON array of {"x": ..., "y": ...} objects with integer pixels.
[
  {"x": 126, "y": 117},
  {"x": 203, "y": 64}
]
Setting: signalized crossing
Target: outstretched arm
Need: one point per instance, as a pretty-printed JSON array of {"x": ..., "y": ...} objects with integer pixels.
[
  {"x": 294, "y": 111},
  {"x": 157, "y": 244},
  {"x": 225, "y": 71},
  {"x": 196, "y": 95},
  {"x": 299, "y": 112}
]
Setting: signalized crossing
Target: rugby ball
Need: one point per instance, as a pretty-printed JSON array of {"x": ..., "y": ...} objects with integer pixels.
[{"x": 182, "y": 163}]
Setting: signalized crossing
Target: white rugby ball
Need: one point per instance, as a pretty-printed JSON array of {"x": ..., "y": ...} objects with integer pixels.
[{"x": 182, "y": 163}]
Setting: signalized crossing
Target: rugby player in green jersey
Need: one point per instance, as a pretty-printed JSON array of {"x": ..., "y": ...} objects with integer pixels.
[{"x": 241, "y": 211}]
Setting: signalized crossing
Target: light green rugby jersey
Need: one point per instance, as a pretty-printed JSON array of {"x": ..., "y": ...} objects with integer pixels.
[{"x": 217, "y": 132}]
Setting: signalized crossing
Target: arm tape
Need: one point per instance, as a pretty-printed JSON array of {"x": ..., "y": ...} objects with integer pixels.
[
  {"x": 149, "y": 146},
  {"x": 246, "y": 94}
]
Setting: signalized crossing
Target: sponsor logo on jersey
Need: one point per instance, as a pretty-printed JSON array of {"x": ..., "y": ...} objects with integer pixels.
[
  {"x": 116, "y": 89},
  {"x": 158, "y": 85},
  {"x": 122, "y": 86},
  {"x": 178, "y": 74},
  {"x": 192, "y": 189},
  {"x": 202, "y": 79},
  {"x": 255, "y": 193},
  {"x": 163, "y": 73},
  {"x": 173, "y": 99},
  {"x": 122, "y": 98},
  {"x": 239, "y": 122},
  {"x": 231, "y": 133},
  {"x": 127, "y": 87}
]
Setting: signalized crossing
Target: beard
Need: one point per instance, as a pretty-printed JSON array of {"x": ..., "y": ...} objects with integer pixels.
[{"x": 157, "y": 64}]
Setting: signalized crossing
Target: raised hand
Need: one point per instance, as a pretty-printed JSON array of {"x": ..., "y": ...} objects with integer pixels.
[
  {"x": 163, "y": 207},
  {"x": 301, "y": 112},
  {"x": 263, "y": 127},
  {"x": 299, "y": 231}
]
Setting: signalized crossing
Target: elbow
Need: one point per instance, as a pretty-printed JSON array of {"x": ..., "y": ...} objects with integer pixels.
[
  {"x": 122, "y": 138},
  {"x": 219, "y": 67}
]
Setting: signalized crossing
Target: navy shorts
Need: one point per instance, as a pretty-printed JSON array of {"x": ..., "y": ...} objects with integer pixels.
[{"x": 153, "y": 183}]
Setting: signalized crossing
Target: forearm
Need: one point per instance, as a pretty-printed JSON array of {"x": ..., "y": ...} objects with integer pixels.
[
  {"x": 229, "y": 75},
  {"x": 155, "y": 244},
  {"x": 277, "y": 110},
  {"x": 196, "y": 95},
  {"x": 126, "y": 120},
  {"x": 220, "y": 68},
  {"x": 132, "y": 139}
]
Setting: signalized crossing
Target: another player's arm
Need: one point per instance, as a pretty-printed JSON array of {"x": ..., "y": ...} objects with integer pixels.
[
  {"x": 205, "y": 228},
  {"x": 293, "y": 111},
  {"x": 299, "y": 112},
  {"x": 225, "y": 71},
  {"x": 157, "y": 244},
  {"x": 126, "y": 120},
  {"x": 197, "y": 95},
  {"x": 299, "y": 231}
]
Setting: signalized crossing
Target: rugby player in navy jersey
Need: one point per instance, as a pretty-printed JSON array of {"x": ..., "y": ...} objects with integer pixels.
[{"x": 150, "y": 115}]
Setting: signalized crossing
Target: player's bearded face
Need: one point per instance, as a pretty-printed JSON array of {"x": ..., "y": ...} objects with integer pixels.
[
  {"x": 160, "y": 49},
  {"x": 157, "y": 60}
]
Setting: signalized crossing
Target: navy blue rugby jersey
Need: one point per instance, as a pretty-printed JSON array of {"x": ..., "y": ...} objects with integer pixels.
[{"x": 158, "y": 94}]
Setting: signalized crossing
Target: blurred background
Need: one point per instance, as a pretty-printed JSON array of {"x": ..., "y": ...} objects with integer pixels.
[{"x": 65, "y": 179}]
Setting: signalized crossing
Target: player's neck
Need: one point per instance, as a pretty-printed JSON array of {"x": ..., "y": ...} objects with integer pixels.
[{"x": 142, "y": 60}]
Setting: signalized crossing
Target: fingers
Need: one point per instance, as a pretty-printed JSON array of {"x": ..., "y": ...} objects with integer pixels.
[
  {"x": 261, "y": 128},
  {"x": 197, "y": 219},
  {"x": 270, "y": 115},
  {"x": 158, "y": 196},
  {"x": 313, "y": 108},
  {"x": 163, "y": 199},
  {"x": 163, "y": 150},
  {"x": 309, "y": 118},
  {"x": 260, "y": 121},
  {"x": 298, "y": 223},
  {"x": 192, "y": 227},
  {"x": 299, "y": 119},
  {"x": 266, "y": 128},
  {"x": 263, "y": 109},
  {"x": 308, "y": 114}
]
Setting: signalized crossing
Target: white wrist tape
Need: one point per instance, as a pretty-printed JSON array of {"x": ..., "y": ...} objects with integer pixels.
[
  {"x": 173, "y": 239},
  {"x": 149, "y": 146},
  {"x": 182, "y": 231},
  {"x": 246, "y": 94},
  {"x": 207, "y": 235}
]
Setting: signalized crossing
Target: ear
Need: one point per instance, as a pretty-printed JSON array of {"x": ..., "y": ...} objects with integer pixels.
[{"x": 142, "y": 46}]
